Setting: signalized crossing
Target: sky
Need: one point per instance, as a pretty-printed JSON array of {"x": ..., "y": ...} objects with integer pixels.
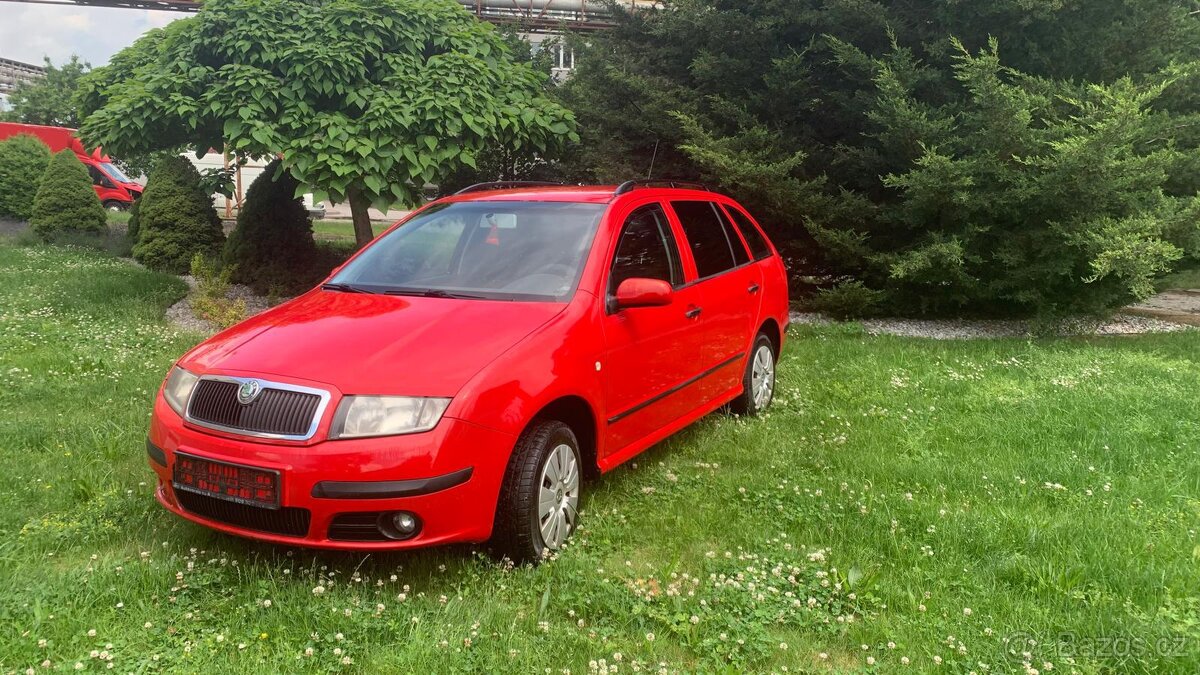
[{"x": 29, "y": 32}]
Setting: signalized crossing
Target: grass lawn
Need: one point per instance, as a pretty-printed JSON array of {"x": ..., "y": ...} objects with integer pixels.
[
  {"x": 1185, "y": 278},
  {"x": 339, "y": 230},
  {"x": 905, "y": 503}
]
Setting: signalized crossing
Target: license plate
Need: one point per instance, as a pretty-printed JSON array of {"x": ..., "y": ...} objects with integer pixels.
[{"x": 232, "y": 482}]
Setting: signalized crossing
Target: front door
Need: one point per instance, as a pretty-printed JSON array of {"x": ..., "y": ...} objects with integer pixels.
[{"x": 650, "y": 351}]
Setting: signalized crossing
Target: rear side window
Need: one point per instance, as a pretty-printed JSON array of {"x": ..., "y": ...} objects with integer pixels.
[
  {"x": 706, "y": 233},
  {"x": 735, "y": 243},
  {"x": 647, "y": 249},
  {"x": 759, "y": 247}
]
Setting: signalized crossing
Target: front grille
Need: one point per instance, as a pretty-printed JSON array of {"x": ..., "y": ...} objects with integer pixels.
[
  {"x": 275, "y": 411},
  {"x": 288, "y": 521},
  {"x": 356, "y": 527}
]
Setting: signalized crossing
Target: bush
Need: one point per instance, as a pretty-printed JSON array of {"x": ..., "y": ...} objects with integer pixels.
[
  {"x": 23, "y": 160},
  {"x": 272, "y": 248},
  {"x": 175, "y": 219},
  {"x": 846, "y": 300},
  {"x": 65, "y": 201},
  {"x": 131, "y": 225},
  {"x": 211, "y": 301}
]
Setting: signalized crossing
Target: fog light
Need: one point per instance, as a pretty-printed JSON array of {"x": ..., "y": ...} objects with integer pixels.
[
  {"x": 399, "y": 525},
  {"x": 404, "y": 522}
]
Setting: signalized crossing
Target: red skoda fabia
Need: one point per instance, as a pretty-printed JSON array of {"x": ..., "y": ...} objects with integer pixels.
[{"x": 454, "y": 380}]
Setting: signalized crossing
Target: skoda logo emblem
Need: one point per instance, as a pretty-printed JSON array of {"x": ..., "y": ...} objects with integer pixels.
[{"x": 249, "y": 391}]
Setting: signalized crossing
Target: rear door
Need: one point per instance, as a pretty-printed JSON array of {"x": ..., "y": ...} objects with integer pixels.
[
  {"x": 650, "y": 351},
  {"x": 730, "y": 287}
]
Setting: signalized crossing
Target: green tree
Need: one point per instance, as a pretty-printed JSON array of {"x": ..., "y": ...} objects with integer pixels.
[
  {"x": 367, "y": 101},
  {"x": 65, "y": 201},
  {"x": 176, "y": 219},
  {"x": 23, "y": 160},
  {"x": 894, "y": 145},
  {"x": 272, "y": 247},
  {"x": 50, "y": 99}
]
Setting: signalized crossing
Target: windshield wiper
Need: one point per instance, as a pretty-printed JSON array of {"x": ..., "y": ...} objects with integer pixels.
[
  {"x": 434, "y": 293},
  {"x": 343, "y": 288}
]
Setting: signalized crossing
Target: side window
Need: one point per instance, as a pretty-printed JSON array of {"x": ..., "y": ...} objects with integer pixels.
[
  {"x": 98, "y": 177},
  {"x": 707, "y": 236},
  {"x": 735, "y": 242},
  {"x": 759, "y": 247},
  {"x": 646, "y": 250}
]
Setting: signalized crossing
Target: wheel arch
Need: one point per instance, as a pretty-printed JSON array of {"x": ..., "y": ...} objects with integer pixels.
[
  {"x": 576, "y": 413},
  {"x": 771, "y": 329}
]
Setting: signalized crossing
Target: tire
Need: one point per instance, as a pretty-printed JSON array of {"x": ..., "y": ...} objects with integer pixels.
[
  {"x": 114, "y": 205},
  {"x": 756, "y": 398},
  {"x": 545, "y": 468}
]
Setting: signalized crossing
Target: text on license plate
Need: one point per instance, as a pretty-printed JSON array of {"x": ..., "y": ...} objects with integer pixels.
[{"x": 233, "y": 482}]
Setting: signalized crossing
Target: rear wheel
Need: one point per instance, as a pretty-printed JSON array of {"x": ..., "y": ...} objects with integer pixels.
[
  {"x": 539, "y": 502},
  {"x": 758, "y": 382}
]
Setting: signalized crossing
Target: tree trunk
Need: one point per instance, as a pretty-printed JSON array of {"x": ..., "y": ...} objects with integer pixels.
[{"x": 363, "y": 234}]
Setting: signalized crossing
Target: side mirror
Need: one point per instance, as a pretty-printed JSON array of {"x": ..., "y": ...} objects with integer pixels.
[{"x": 643, "y": 293}]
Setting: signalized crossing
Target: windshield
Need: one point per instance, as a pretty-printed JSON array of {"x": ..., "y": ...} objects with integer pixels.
[
  {"x": 115, "y": 173},
  {"x": 530, "y": 251}
]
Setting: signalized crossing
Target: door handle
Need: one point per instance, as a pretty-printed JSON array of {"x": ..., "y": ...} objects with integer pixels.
[
  {"x": 753, "y": 288},
  {"x": 693, "y": 312}
]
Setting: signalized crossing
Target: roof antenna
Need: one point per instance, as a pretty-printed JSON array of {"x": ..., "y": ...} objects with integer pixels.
[{"x": 650, "y": 173}]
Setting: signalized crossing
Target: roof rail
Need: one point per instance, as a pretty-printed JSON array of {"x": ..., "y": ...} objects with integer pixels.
[
  {"x": 505, "y": 184},
  {"x": 630, "y": 185}
]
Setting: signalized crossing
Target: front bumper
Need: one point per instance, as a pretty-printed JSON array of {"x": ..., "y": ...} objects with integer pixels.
[{"x": 449, "y": 477}]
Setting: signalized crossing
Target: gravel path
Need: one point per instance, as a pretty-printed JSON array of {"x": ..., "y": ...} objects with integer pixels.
[
  {"x": 12, "y": 227},
  {"x": 964, "y": 329},
  {"x": 180, "y": 314}
]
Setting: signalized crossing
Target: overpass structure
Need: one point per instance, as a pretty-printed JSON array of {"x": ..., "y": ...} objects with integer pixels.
[{"x": 529, "y": 15}]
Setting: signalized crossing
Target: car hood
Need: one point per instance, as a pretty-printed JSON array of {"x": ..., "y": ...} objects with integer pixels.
[{"x": 373, "y": 344}]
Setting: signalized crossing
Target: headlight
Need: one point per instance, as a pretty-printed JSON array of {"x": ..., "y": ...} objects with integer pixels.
[
  {"x": 178, "y": 388},
  {"x": 361, "y": 416}
]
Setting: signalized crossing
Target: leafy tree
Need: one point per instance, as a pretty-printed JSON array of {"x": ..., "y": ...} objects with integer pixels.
[
  {"x": 23, "y": 160},
  {"x": 176, "y": 219},
  {"x": 498, "y": 161},
  {"x": 367, "y": 101},
  {"x": 65, "y": 201},
  {"x": 896, "y": 145},
  {"x": 50, "y": 99},
  {"x": 272, "y": 247}
]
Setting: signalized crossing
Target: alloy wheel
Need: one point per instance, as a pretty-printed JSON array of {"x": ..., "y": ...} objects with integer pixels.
[
  {"x": 762, "y": 377},
  {"x": 558, "y": 496}
]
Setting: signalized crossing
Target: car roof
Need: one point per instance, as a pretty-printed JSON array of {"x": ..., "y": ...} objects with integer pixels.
[{"x": 581, "y": 194}]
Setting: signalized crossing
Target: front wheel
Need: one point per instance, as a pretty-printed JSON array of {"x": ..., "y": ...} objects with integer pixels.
[
  {"x": 114, "y": 205},
  {"x": 758, "y": 382},
  {"x": 539, "y": 502}
]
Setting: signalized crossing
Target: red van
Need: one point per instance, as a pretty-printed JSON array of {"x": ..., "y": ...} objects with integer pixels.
[
  {"x": 115, "y": 190},
  {"x": 454, "y": 380}
]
